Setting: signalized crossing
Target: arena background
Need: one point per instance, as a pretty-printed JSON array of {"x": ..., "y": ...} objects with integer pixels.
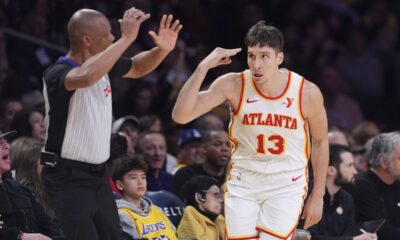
[{"x": 350, "y": 49}]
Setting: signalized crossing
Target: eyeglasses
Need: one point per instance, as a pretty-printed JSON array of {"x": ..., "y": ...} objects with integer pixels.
[{"x": 216, "y": 195}]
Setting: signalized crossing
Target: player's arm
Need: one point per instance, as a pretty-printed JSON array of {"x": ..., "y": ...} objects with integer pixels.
[
  {"x": 314, "y": 112},
  {"x": 98, "y": 65},
  {"x": 192, "y": 103},
  {"x": 145, "y": 62}
]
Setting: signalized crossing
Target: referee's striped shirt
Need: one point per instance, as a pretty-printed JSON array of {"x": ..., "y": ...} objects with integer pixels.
[{"x": 79, "y": 122}]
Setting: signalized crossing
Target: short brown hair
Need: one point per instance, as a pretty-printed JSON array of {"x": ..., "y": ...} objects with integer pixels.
[{"x": 265, "y": 35}]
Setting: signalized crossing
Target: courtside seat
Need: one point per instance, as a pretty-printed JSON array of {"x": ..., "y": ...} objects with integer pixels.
[{"x": 169, "y": 203}]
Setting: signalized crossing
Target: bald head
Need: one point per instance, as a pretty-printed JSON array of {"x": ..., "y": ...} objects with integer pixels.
[{"x": 85, "y": 22}]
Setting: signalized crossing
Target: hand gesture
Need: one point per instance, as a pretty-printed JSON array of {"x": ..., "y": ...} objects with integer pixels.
[
  {"x": 220, "y": 56},
  {"x": 130, "y": 23},
  {"x": 34, "y": 236},
  {"x": 167, "y": 34},
  {"x": 366, "y": 236},
  {"x": 312, "y": 212}
]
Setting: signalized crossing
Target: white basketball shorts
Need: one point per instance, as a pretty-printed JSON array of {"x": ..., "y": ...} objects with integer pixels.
[{"x": 264, "y": 206}]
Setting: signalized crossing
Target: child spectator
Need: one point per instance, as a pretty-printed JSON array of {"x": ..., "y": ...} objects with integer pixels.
[{"x": 139, "y": 218}]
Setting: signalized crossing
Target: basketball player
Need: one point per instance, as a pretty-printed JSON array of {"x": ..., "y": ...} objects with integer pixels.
[{"x": 272, "y": 112}]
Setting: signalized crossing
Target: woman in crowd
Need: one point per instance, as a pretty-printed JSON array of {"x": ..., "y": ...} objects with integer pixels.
[
  {"x": 25, "y": 157},
  {"x": 202, "y": 219},
  {"x": 29, "y": 122}
]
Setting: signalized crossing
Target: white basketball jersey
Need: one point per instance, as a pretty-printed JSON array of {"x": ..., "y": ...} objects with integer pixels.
[{"x": 269, "y": 135}]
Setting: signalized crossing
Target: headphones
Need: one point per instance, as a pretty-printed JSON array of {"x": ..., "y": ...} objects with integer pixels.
[{"x": 200, "y": 198}]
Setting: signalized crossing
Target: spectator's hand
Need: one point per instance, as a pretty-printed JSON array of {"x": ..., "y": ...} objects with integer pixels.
[
  {"x": 34, "y": 236},
  {"x": 312, "y": 212},
  {"x": 1, "y": 224},
  {"x": 130, "y": 23},
  {"x": 220, "y": 56},
  {"x": 366, "y": 236},
  {"x": 167, "y": 34}
]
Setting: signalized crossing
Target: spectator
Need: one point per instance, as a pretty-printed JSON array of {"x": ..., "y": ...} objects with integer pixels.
[
  {"x": 202, "y": 217},
  {"x": 339, "y": 209},
  {"x": 363, "y": 132},
  {"x": 7, "y": 112},
  {"x": 337, "y": 136},
  {"x": 376, "y": 192},
  {"x": 18, "y": 206},
  {"x": 361, "y": 154},
  {"x": 140, "y": 98},
  {"x": 128, "y": 125},
  {"x": 150, "y": 123},
  {"x": 208, "y": 121},
  {"x": 25, "y": 157},
  {"x": 29, "y": 122},
  {"x": 120, "y": 146},
  {"x": 217, "y": 155},
  {"x": 140, "y": 219},
  {"x": 190, "y": 148},
  {"x": 153, "y": 123},
  {"x": 33, "y": 99},
  {"x": 153, "y": 147}
]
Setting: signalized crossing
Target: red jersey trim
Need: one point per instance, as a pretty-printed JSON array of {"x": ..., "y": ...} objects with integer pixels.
[
  {"x": 281, "y": 95},
  {"x": 300, "y": 98},
  {"x": 242, "y": 90}
]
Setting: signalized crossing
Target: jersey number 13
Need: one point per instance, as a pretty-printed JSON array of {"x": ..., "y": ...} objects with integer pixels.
[{"x": 278, "y": 147}]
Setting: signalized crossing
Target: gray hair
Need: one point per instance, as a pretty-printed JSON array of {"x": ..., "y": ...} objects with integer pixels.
[{"x": 383, "y": 146}]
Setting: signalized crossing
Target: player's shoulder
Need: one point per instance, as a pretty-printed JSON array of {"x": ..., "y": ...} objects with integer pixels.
[
  {"x": 232, "y": 76},
  {"x": 311, "y": 97},
  {"x": 229, "y": 81},
  {"x": 310, "y": 90}
]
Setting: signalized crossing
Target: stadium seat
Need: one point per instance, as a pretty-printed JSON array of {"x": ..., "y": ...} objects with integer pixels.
[{"x": 169, "y": 203}]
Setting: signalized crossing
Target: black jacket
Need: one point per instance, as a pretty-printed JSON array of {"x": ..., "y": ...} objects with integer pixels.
[
  {"x": 20, "y": 209},
  {"x": 375, "y": 199},
  {"x": 338, "y": 215}
]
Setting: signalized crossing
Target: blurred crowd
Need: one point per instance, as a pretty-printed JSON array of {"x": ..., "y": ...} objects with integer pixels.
[{"x": 350, "y": 49}]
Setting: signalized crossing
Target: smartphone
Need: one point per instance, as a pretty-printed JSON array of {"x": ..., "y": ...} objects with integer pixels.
[
  {"x": 373, "y": 225},
  {"x": 48, "y": 159}
]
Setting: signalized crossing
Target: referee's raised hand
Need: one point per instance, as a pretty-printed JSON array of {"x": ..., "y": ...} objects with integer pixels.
[
  {"x": 131, "y": 21},
  {"x": 167, "y": 34}
]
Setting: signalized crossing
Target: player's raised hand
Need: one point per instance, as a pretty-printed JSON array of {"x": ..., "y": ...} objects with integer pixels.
[
  {"x": 131, "y": 21},
  {"x": 167, "y": 34},
  {"x": 219, "y": 56},
  {"x": 312, "y": 212}
]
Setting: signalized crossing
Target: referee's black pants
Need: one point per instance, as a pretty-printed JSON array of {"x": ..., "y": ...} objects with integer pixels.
[{"x": 82, "y": 200}]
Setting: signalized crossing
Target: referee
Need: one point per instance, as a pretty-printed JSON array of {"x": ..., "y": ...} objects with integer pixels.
[{"x": 79, "y": 115}]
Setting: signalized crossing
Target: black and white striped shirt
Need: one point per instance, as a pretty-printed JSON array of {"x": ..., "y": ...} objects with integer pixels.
[{"x": 79, "y": 122}]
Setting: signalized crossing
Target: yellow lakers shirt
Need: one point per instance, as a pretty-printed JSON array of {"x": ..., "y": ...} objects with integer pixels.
[{"x": 152, "y": 224}]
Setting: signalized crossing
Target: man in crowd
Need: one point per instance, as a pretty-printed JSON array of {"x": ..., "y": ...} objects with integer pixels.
[
  {"x": 217, "y": 155},
  {"x": 153, "y": 147},
  {"x": 189, "y": 152},
  {"x": 376, "y": 192},
  {"x": 339, "y": 210}
]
